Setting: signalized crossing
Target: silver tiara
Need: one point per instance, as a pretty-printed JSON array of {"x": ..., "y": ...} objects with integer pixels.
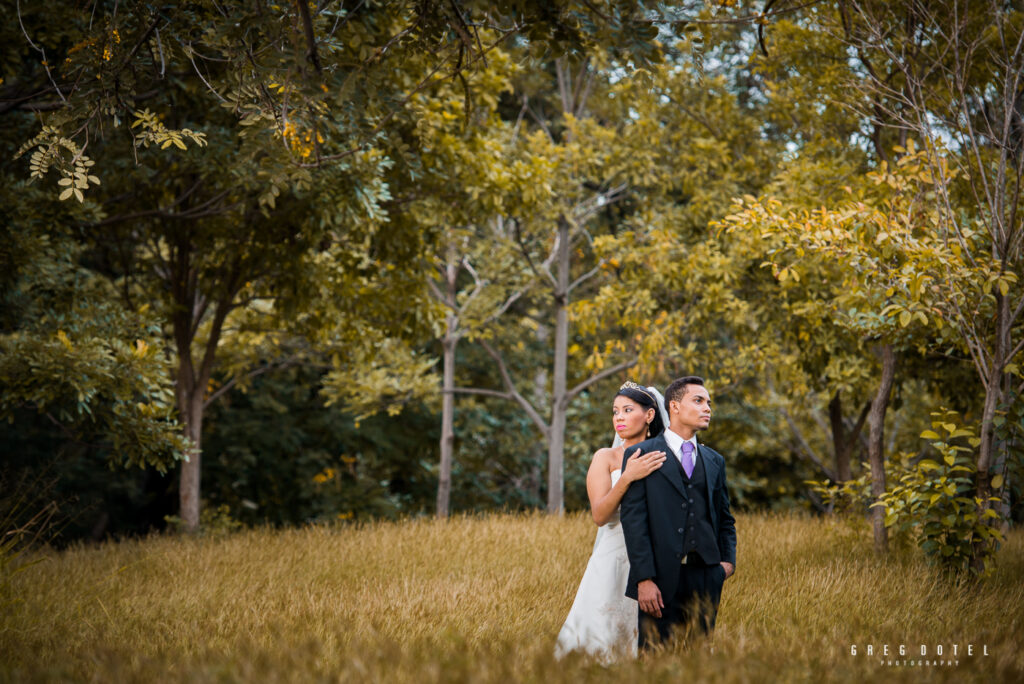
[{"x": 629, "y": 384}]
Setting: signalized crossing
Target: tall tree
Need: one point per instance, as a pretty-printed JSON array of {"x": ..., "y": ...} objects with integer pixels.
[
  {"x": 277, "y": 212},
  {"x": 950, "y": 74},
  {"x": 299, "y": 106}
]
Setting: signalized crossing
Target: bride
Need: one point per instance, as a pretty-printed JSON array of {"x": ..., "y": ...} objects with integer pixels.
[{"x": 602, "y": 621}]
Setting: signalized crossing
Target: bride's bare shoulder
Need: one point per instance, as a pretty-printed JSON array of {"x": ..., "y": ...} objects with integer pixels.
[{"x": 610, "y": 457}]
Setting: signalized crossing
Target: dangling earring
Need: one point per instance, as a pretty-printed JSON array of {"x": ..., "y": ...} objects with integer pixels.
[{"x": 648, "y": 428}]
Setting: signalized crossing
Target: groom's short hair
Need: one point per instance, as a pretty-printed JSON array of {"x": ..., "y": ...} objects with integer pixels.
[{"x": 677, "y": 390}]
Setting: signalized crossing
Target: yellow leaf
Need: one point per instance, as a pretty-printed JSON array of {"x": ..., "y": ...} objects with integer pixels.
[{"x": 997, "y": 481}]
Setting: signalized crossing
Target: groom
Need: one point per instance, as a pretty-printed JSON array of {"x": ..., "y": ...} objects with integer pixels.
[{"x": 680, "y": 535}]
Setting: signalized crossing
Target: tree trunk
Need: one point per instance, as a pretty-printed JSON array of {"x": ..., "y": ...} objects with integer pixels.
[
  {"x": 876, "y": 444},
  {"x": 190, "y": 407},
  {"x": 559, "y": 403},
  {"x": 444, "y": 478},
  {"x": 190, "y": 390},
  {"x": 541, "y": 400},
  {"x": 994, "y": 396},
  {"x": 844, "y": 442},
  {"x": 839, "y": 445},
  {"x": 983, "y": 476}
]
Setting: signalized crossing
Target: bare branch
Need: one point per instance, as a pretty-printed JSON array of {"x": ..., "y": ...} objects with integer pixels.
[
  {"x": 587, "y": 276},
  {"x": 584, "y": 84},
  {"x": 512, "y": 391},
  {"x": 805, "y": 447},
  {"x": 519, "y": 121},
  {"x": 202, "y": 78},
  {"x": 46, "y": 62},
  {"x": 436, "y": 291},
  {"x": 307, "y": 29},
  {"x": 479, "y": 391},
  {"x": 226, "y": 387},
  {"x": 517, "y": 235},
  {"x": 540, "y": 121},
  {"x": 571, "y": 394}
]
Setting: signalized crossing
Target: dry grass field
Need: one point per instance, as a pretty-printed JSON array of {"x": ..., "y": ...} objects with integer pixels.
[{"x": 480, "y": 599}]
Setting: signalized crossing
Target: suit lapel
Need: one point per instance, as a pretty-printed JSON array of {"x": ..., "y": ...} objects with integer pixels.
[
  {"x": 710, "y": 470},
  {"x": 670, "y": 468}
]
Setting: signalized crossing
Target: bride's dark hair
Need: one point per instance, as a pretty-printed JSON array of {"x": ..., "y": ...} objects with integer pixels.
[{"x": 643, "y": 396}]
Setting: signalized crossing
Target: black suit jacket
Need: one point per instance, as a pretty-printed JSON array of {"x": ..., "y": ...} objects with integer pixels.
[{"x": 652, "y": 513}]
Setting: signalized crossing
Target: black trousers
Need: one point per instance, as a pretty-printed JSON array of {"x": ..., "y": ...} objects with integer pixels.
[{"x": 695, "y": 601}]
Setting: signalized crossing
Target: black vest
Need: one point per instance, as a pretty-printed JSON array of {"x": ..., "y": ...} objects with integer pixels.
[{"x": 698, "y": 533}]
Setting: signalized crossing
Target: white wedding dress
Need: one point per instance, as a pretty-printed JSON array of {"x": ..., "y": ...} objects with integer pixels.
[{"x": 602, "y": 621}]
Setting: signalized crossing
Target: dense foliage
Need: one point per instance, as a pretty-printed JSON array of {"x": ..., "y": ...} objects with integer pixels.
[{"x": 346, "y": 260}]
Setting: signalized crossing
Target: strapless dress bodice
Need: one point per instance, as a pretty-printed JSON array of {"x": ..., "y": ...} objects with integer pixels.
[{"x": 614, "y": 520}]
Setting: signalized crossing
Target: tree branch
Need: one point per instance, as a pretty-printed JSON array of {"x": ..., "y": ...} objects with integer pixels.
[
  {"x": 307, "y": 28},
  {"x": 586, "y": 276},
  {"x": 475, "y": 390},
  {"x": 804, "y": 446},
  {"x": 223, "y": 389},
  {"x": 513, "y": 392},
  {"x": 571, "y": 394}
]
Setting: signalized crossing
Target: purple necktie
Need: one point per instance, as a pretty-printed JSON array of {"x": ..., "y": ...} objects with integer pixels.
[{"x": 688, "y": 458}]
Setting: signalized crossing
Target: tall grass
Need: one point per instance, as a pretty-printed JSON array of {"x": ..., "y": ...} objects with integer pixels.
[{"x": 480, "y": 599}]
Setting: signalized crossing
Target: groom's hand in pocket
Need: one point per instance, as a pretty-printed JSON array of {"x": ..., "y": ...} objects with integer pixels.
[{"x": 649, "y": 598}]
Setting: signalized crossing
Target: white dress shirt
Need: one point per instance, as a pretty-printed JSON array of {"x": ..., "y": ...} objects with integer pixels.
[{"x": 675, "y": 443}]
